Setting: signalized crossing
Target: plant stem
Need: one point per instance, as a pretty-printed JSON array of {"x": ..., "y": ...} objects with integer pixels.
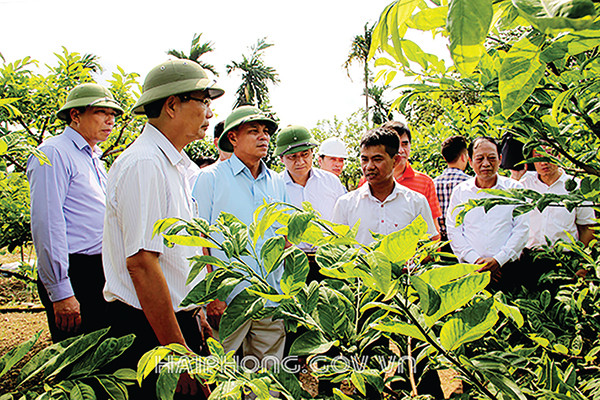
[
  {"x": 447, "y": 354},
  {"x": 411, "y": 373}
]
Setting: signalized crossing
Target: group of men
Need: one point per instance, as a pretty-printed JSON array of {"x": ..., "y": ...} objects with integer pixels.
[{"x": 100, "y": 264}]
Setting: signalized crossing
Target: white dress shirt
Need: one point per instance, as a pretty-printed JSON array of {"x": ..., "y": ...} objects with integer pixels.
[
  {"x": 322, "y": 190},
  {"x": 493, "y": 234},
  {"x": 397, "y": 211},
  {"x": 148, "y": 182},
  {"x": 554, "y": 222}
]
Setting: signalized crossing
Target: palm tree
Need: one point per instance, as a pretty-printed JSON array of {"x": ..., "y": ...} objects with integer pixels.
[
  {"x": 359, "y": 51},
  {"x": 381, "y": 108},
  {"x": 197, "y": 50},
  {"x": 255, "y": 77}
]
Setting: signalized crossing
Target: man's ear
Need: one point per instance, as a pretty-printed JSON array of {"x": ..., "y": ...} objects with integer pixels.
[
  {"x": 396, "y": 159},
  {"x": 231, "y": 135},
  {"x": 170, "y": 106},
  {"x": 74, "y": 114}
]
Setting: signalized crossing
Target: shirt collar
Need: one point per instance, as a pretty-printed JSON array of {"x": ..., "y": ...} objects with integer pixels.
[
  {"x": 365, "y": 191},
  {"x": 562, "y": 178},
  {"x": 79, "y": 141},
  {"x": 174, "y": 156},
  {"x": 237, "y": 166},
  {"x": 500, "y": 184},
  {"x": 408, "y": 172},
  {"x": 287, "y": 178}
]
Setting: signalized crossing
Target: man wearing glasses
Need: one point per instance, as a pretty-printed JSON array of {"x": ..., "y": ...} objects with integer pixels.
[
  {"x": 145, "y": 279},
  {"x": 67, "y": 213},
  {"x": 295, "y": 147}
]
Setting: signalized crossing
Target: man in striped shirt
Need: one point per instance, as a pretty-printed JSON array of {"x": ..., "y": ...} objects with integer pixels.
[{"x": 454, "y": 151}]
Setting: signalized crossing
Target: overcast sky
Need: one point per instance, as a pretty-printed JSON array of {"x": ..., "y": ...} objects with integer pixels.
[{"x": 312, "y": 40}]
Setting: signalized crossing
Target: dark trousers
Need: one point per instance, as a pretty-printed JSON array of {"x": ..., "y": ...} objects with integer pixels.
[
  {"x": 87, "y": 280},
  {"x": 125, "y": 320}
]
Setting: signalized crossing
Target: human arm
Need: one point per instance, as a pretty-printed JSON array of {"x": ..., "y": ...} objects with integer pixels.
[
  {"x": 515, "y": 242},
  {"x": 153, "y": 294},
  {"x": 490, "y": 264},
  {"x": 586, "y": 234}
]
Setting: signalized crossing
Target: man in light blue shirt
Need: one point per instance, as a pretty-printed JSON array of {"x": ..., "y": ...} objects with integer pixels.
[
  {"x": 67, "y": 213},
  {"x": 239, "y": 186}
]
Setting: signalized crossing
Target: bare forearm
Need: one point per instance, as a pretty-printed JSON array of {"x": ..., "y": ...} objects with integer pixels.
[
  {"x": 153, "y": 294},
  {"x": 585, "y": 234}
]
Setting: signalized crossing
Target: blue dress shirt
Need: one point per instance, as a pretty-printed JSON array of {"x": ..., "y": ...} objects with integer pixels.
[
  {"x": 229, "y": 186},
  {"x": 67, "y": 207}
]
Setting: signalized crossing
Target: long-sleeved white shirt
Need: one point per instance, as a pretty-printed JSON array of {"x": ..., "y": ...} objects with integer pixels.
[{"x": 494, "y": 234}]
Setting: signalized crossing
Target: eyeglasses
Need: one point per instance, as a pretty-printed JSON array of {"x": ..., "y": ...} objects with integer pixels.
[{"x": 206, "y": 101}]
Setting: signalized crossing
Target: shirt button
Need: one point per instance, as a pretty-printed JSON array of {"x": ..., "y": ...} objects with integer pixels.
[{"x": 382, "y": 221}]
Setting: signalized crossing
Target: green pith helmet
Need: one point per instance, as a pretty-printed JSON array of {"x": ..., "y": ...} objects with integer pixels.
[
  {"x": 88, "y": 94},
  {"x": 294, "y": 139},
  {"x": 240, "y": 116},
  {"x": 175, "y": 77}
]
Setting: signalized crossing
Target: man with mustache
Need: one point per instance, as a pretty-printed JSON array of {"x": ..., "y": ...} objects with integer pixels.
[
  {"x": 67, "y": 213},
  {"x": 493, "y": 239}
]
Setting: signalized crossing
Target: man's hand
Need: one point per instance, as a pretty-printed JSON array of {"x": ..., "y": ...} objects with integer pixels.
[
  {"x": 490, "y": 264},
  {"x": 214, "y": 311},
  {"x": 67, "y": 315},
  {"x": 205, "y": 328},
  {"x": 187, "y": 385}
]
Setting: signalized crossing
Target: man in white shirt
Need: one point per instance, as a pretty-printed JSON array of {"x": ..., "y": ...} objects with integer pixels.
[
  {"x": 332, "y": 155},
  {"x": 382, "y": 205},
  {"x": 493, "y": 239},
  {"x": 554, "y": 223},
  {"x": 320, "y": 188},
  {"x": 145, "y": 279}
]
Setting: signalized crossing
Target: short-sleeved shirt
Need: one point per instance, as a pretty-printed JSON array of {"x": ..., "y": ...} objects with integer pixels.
[
  {"x": 230, "y": 187},
  {"x": 148, "y": 182},
  {"x": 444, "y": 184},
  {"x": 554, "y": 222},
  {"x": 421, "y": 183},
  {"x": 495, "y": 233},
  {"x": 396, "y": 212},
  {"x": 322, "y": 190}
]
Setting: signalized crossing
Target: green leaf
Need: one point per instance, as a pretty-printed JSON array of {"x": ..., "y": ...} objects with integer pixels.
[
  {"x": 505, "y": 384},
  {"x": 339, "y": 395},
  {"x": 548, "y": 15},
  {"x": 192, "y": 241},
  {"x": 437, "y": 277},
  {"x": 311, "y": 342},
  {"x": 149, "y": 361},
  {"x": 511, "y": 312},
  {"x": 3, "y": 147},
  {"x": 401, "y": 245},
  {"x": 359, "y": 382},
  {"x": 115, "y": 390},
  {"x": 241, "y": 309},
  {"x": 8, "y": 360},
  {"x": 199, "y": 262},
  {"x": 428, "y": 297},
  {"x": 469, "y": 324},
  {"x": 381, "y": 270},
  {"x": 271, "y": 252},
  {"x": 163, "y": 224},
  {"x": 399, "y": 327},
  {"x": 295, "y": 272},
  {"x": 166, "y": 384},
  {"x": 458, "y": 293},
  {"x": 520, "y": 72},
  {"x": 216, "y": 285},
  {"x": 429, "y": 18},
  {"x": 468, "y": 24},
  {"x": 297, "y": 225}
]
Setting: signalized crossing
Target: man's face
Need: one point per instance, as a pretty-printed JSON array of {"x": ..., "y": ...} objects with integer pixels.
[
  {"x": 195, "y": 115},
  {"x": 298, "y": 164},
  {"x": 250, "y": 140},
  {"x": 335, "y": 165},
  {"x": 376, "y": 164},
  {"x": 403, "y": 151},
  {"x": 544, "y": 169},
  {"x": 95, "y": 124},
  {"x": 485, "y": 161}
]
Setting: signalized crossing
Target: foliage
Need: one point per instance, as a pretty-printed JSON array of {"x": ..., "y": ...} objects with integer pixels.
[
  {"x": 30, "y": 100},
  {"x": 255, "y": 77},
  {"x": 197, "y": 50},
  {"x": 373, "y": 294},
  {"x": 71, "y": 369}
]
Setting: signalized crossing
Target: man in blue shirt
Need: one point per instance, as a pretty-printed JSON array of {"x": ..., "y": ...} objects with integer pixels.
[
  {"x": 239, "y": 186},
  {"x": 67, "y": 213}
]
